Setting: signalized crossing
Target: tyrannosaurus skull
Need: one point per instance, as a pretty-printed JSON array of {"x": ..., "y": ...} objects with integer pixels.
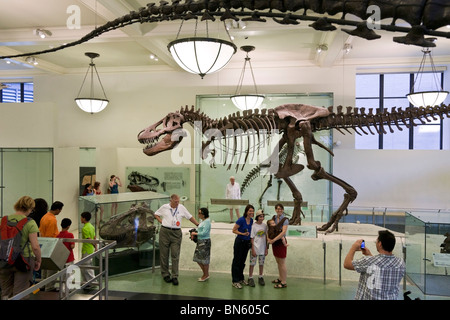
[{"x": 158, "y": 139}]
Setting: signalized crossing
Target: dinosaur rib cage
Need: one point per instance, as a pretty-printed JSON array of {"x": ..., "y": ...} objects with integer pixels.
[{"x": 358, "y": 119}]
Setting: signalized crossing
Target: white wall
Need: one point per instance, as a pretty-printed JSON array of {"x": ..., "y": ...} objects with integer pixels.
[
  {"x": 139, "y": 99},
  {"x": 395, "y": 178}
]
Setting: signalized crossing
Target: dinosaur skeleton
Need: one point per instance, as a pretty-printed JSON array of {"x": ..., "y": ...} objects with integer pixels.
[
  {"x": 256, "y": 172},
  {"x": 424, "y": 17},
  {"x": 292, "y": 121},
  {"x": 142, "y": 182},
  {"x": 131, "y": 228}
]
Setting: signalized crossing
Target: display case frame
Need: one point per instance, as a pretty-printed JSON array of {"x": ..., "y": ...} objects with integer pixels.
[
  {"x": 427, "y": 264},
  {"x": 126, "y": 256}
]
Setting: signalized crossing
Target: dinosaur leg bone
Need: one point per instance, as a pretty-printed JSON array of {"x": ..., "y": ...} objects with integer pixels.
[
  {"x": 320, "y": 173},
  {"x": 298, "y": 199}
]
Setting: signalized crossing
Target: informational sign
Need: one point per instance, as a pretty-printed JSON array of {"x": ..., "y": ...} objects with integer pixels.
[
  {"x": 302, "y": 231},
  {"x": 441, "y": 259}
]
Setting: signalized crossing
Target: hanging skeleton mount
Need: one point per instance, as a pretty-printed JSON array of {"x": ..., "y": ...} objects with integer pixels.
[
  {"x": 423, "y": 16},
  {"x": 291, "y": 121}
]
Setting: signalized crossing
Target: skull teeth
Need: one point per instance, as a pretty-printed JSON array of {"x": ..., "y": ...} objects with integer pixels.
[{"x": 150, "y": 142}]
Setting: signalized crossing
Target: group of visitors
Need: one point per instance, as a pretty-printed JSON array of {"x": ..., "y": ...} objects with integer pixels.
[
  {"x": 255, "y": 237},
  {"x": 248, "y": 236},
  {"x": 39, "y": 221},
  {"x": 380, "y": 274}
]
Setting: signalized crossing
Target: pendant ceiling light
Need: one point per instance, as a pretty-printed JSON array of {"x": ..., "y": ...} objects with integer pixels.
[
  {"x": 426, "y": 98},
  {"x": 201, "y": 55},
  {"x": 92, "y": 104},
  {"x": 247, "y": 101}
]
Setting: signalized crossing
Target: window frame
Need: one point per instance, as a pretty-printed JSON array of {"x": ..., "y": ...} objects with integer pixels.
[
  {"x": 381, "y": 97},
  {"x": 22, "y": 92}
]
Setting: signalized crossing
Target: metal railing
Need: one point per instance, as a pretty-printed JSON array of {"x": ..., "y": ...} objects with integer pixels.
[{"x": 67, "y": 291}]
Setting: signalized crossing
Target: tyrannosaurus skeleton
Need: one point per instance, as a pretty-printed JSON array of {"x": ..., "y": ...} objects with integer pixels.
[{"x": 292, "y": 121}]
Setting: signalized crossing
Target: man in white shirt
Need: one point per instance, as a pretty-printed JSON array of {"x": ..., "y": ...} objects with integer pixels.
[
  {"x": 169, "y": 215},
  {"x": 233, "y": 191}
]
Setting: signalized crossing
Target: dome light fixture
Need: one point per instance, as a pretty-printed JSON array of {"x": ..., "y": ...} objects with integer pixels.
[
  {"x": 92, "y": 104},
  {"x": 201, "y": 55},
  {"x": 431, "y": 97},
  {"x": 247, "y": 101}
]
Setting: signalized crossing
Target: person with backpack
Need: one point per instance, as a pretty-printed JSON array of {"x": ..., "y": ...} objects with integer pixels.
[{"x": 16, "y": 274}]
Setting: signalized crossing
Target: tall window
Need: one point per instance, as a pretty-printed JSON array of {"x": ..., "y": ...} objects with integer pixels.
[
  {"x": 385, "y": 91},
  {"x": 17, "y": 92}
]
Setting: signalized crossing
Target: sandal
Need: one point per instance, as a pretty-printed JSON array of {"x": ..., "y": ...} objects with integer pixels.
[
  {"x": 276, "y": 281},
  {"x": 280, "y": 285}
]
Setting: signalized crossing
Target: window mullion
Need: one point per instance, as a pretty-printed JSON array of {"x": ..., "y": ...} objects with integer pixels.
[{"x": 381, "y": 105}]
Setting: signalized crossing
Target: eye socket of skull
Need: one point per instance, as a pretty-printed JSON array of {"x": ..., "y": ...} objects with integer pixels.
[{"x": 173, "y": 120}]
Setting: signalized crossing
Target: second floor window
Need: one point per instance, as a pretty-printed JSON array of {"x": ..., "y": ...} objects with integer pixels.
[
  {"x": 384, "y": 91},
  {"x": 17, "y": 92}
]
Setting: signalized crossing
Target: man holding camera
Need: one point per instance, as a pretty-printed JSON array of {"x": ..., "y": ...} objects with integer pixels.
[
  {"x": 169, "y": 215},
  {"x": 381, "y": 274}
]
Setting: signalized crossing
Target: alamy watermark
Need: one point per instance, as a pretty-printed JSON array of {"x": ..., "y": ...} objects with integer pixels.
[
  {"x": 74, "y": 19},
  {"x": 373, "y": 22}
]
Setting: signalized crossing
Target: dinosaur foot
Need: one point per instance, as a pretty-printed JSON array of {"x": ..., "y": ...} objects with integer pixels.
[
  {"x": 328, "y": 228},
  {"x": 332, "y": 225}
]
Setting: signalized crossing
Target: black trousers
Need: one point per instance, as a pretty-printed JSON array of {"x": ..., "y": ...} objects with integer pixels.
[{"x": 240, "y": 252}]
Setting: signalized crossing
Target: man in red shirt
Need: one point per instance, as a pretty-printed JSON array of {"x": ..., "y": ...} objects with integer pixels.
[{"x": 65, "y": 225}]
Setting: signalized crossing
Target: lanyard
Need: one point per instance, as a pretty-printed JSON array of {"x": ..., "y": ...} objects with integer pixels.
[
  {"x": 175, "y": 222},
  {"x": 174, "y": 213}
]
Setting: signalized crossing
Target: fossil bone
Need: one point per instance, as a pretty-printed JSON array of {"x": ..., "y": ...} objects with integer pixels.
[
  {"x": 430, "y": 14},
  {"x": 131, "y": 228}
]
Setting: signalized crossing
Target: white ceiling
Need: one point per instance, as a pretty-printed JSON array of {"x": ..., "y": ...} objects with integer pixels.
[{"x": 129, "y": 48}]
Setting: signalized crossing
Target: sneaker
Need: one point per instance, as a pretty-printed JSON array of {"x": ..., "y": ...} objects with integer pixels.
[
  {"x": 261, "y": 281},
  {"x": 237, "y": 285},
  {"x": 251, "y": 282}
]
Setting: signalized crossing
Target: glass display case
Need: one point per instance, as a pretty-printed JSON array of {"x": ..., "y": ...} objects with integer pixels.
[
  {"x": 258, "y": 186},
  {"x": 428, "y": 251},
  {"x": 128, "y": 219}
]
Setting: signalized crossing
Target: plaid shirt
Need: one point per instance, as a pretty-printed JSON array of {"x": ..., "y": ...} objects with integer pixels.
[{"x": 380, "y": 277}]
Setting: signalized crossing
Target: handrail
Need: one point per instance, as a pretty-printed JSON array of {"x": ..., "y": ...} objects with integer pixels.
[{"x": 104, "y": 247}]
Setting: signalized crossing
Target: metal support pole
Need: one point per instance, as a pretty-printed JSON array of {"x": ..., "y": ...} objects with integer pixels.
[
  {"x": 340, "y": 263},
  {"x": 106, "y": 273},
  {"x": 324, "y": 246},
  {"x": 404, "y": 259}
]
